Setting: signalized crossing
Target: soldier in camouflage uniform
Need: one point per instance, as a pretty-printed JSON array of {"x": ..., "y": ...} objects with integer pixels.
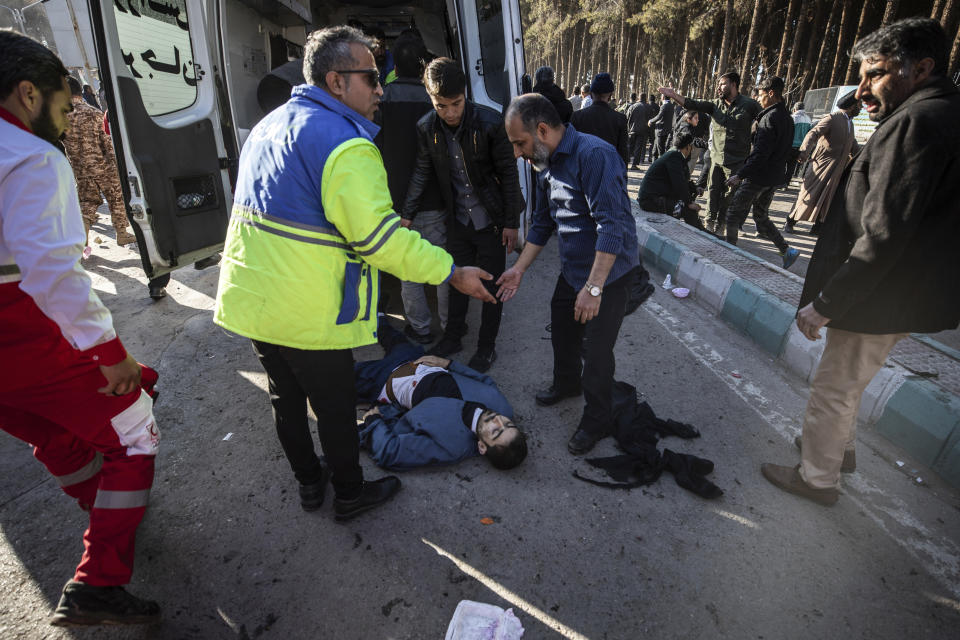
[{"x": 91, "y": 155}]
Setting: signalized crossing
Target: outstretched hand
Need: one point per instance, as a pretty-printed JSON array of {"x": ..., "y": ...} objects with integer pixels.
[
  {"x": 469, "y": 280},
  {"x": 509, "y": 283},
  {"x": 669, "y": 92}
]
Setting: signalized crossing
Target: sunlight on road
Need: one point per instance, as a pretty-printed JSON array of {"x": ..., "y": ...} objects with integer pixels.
[
  {"x": 738, "y": 519},
  {"x": 508, "y": 595}
]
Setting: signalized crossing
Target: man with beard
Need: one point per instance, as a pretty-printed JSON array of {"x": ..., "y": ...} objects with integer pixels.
[
  {"x": 67, "y": 385},
  {"x": 886, "y": 263},
  {"x": 582, "y": 195},
  {"x": 732, "y": 119}
]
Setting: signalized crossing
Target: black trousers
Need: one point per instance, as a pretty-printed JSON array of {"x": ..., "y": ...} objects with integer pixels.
[
  {"x": 325, "y": 378},
  {"x": 718, "y": 194},
  {"x": 750, "y": 194},
  {"x": 636, "y": 145},
  {"x": 476, "y": 248},
  {"x": 583, "y": 353},
  {"x": 660, "y": 147}
]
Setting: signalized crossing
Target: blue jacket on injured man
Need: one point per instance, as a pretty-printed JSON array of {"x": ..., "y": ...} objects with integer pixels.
[{"x": 432, "y": 411}]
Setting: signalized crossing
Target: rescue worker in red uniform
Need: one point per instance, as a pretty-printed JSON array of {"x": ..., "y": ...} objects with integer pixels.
[{"x": 67, "y": 385}]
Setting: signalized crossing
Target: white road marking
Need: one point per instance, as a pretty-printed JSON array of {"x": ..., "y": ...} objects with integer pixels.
[
  {"x": 508, "y": 595},
  {"x": 939, "y": 557}
]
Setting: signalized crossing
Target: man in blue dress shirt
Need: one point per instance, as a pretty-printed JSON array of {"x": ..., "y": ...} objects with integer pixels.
[{"x": 582, "y": 194}]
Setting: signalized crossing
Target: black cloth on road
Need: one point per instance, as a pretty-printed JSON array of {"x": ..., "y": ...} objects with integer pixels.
[{"x": 637, "y": 429}]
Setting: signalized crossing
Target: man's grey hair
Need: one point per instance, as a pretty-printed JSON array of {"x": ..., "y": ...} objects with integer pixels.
[
  {"x": 907, "y": 41},
  {"x": 798, "y": 106},
  {"x": 532, "y": 109},
  {"x": 329, "y": 50}
]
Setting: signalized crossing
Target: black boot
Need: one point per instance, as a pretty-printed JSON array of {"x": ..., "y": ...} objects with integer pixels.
[
  {"x": 372, "y": 495},
  {"x": 82, "y": 605}
]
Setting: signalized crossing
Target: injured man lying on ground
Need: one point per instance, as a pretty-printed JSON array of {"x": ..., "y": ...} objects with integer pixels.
[{"x": 432, "y": 411}]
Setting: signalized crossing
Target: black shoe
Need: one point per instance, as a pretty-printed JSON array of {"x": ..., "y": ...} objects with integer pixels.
[
  {"x": 84, "y": 604},
  {"x": 419, "y": 338},
  {"x": 311, "y": 495},
  {"x": 788, "y": 225},
  {"x": 553, "y": 395},
  {"x": 157, "y": 292},
  {"x": 371, "y": 495},
  {"x": 482, "y": 359},
  {"x": 447, "y": 346},
  {"x": 207, "y": 262},
  {"x": 582, "y": 441}
]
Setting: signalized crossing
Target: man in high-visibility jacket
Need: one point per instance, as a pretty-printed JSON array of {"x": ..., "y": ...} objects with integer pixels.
[{"x": 312, "y": 223}]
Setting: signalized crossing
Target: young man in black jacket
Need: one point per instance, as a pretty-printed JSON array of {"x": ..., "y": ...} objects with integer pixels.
[
  {"x": 465, "y": 147},
  {"x": 757, "y": 180}
]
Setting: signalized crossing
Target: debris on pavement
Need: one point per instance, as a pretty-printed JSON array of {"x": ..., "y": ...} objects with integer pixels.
[{"x": 481, "y": 621}]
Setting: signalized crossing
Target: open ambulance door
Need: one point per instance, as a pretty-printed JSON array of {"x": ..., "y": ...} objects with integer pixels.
[
  {"x": 492, "y": 41},
  {"x": 163, "y": 74}
]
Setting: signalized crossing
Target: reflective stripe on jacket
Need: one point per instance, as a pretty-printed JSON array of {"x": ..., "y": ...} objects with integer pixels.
[{"x": 312, "y": 225}]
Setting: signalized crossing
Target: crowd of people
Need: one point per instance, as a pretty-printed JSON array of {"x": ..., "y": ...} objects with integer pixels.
[{"x": 327, "y": 199}]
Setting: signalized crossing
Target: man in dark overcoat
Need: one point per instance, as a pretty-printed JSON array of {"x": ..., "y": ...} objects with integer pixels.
[{"x": 886, "y": 263}]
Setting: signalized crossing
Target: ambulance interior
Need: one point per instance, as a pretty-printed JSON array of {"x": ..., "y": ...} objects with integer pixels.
[{"x": 259, "y": 35}]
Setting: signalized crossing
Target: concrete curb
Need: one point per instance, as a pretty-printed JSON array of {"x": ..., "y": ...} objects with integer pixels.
[{"x": 909, "y": 411}]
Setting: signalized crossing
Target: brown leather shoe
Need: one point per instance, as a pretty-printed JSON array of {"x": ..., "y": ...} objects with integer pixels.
[
  {"x": 849, "y": 464},
  {"x": 124, "y": 238},
  {"x": 788, "y": 479}
]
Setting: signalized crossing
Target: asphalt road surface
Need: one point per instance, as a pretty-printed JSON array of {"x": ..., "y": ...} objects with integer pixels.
[{"x": 228, "y": 552}]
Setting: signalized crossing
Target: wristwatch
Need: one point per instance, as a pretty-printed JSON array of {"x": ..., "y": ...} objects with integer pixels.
[{"x": 593, "y": 290}]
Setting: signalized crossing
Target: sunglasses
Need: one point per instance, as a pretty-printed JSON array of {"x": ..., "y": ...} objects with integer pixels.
[{"x": 372, "y": 76}]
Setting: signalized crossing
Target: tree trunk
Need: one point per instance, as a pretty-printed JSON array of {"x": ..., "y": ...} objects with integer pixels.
[
  {"x": 839, "y": 62},
  {"x": 827, "y": 45},
  {"x": 937, "y": 8},
  {"x": 801, "y": 30},
  {"x": 816, "y": 28},
  {"x": 783, "y": 65},
  {"x": 852, "y": 67},
  {"x": 685, "y": 57},
  {"x": 890, "y": 13},
  {"x": 582, "y": 62},
  {"x": 746, "y": 67},
  {"x": 727, "y": 43},
  {"x": 955, "y": 54},
  {"x": 946, "y": 18}
]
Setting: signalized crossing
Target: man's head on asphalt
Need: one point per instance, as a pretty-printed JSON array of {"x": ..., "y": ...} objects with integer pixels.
[
  {"x": 33, "y": 85},
  {"x": 896, "y": 61},
  {"x": 500, "y": 441},
  {"x": 446, "y": 85},
  {"x": 728, "y": 86},
  {"x": 534, "y": 128},
  {"x": 340, "y": 61}
]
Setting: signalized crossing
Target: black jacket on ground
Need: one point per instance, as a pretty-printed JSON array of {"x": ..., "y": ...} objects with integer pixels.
[
  {"x": 557, "y": 98},
  {"x": 488, "y": 156},
  {"x": 668, "y": 177},
  {"x": 887, "y": 260},
  {"x": 600, "y": 120},
  {"x": 767, "y": 163},
  {"x": 404, "y": 102}
]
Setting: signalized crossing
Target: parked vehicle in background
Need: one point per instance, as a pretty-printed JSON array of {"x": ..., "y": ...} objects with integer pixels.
[{"x": 819, "y": 102}]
